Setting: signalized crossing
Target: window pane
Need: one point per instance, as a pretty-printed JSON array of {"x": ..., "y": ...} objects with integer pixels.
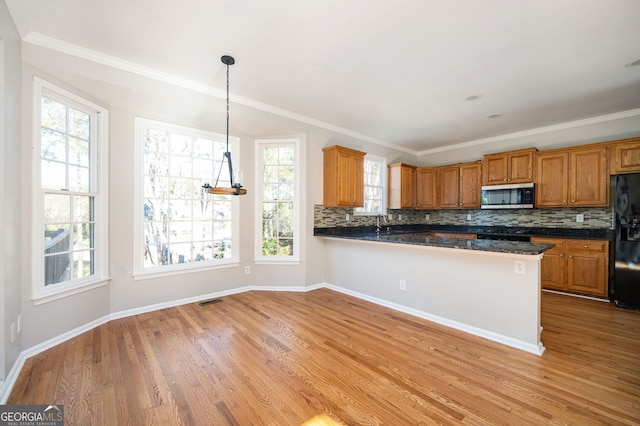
[
  {"x": 53, "y": 115},
  {"x": 53, "y": 175},
  {"x": 57, "y": 208},
  {"x": 78, "y": 179},
  {"x": 79, "y": 124},
  {"x": 79, "y": 152},
  {"x": 83, "y": 236},
  {"x": 57, "y": 238},
  {"x": 53, "y": 145},
  {"x": 82, "y": 211},
  {"x": 83, "y": 264},
  {"x": 56, "y": 269}
]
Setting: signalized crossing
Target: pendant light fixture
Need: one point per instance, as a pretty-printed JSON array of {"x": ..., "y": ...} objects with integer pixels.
[{"x": 236, "y": 178}]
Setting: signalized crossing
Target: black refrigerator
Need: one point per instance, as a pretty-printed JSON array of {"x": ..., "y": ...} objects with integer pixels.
[{"x": 626, "y": 288}]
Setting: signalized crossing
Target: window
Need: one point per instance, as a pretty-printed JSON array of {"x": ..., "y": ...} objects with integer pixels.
[
  {"x": 70, "y": 194},
  {"x": 179, "y": 226},
  {"x": 375, "y": 188},
  {"x": 278, "y": 200}
]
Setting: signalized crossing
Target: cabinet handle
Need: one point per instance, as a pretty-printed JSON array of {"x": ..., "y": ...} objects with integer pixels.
[
  {"x": 562, "y": 255},
  {"x": 573, "y": 201},
  {"x": 564, "y": 201},
  {"x": 505, "y": 179},
  {"x": 586, "y": 246},
  {"x": 570, "y": 257}
]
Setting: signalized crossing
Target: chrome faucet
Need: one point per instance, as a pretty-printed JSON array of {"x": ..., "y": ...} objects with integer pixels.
[{"x": 378, "y": 222}]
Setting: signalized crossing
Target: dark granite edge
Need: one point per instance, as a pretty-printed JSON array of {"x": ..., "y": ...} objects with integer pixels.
[
  {"x": 511, "y": 247},
  {"x": 589, "y": 234}
]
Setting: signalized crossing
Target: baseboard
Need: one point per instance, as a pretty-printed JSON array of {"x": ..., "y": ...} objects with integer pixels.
[{"x": 499, "y": 338}]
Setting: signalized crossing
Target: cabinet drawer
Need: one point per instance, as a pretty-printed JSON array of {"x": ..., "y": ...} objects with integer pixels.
[
  {"x": 587, "y": 245},
  {"x": 560, "y": 244}
]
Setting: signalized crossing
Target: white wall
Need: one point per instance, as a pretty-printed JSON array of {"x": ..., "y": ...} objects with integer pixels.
[{"x": 10, "y": 192}]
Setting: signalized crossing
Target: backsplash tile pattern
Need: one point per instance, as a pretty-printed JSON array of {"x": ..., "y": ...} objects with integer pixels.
[{"x": 594, "y": 217}]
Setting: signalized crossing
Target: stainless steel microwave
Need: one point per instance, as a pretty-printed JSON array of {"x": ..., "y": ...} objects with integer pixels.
[{"x": 515, "y": 196}]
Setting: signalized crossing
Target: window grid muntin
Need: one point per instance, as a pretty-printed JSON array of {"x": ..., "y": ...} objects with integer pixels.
[
  {"x": 374, "y": 187},
  {"x": 68, "y": 268},
  {"x": 278, "y": 200},
  {"x": 187, "y": 166}
]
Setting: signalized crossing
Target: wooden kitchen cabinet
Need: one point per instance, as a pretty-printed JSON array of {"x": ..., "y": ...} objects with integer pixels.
[
  {"x": 572, "y": 177},
  {"x": 625, "y": 156},
  {"x": 575, "y": 266},
  {"x": 343, "y": 177},
  {"x": 508, "y": 167},
  {"x": 402, "y": 186},
  {"x": 459, "y": 185},
  {"x": 426, "y": 188}
]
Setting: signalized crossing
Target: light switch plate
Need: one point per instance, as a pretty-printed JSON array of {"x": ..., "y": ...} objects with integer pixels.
[{"x": 580, "y": 217}]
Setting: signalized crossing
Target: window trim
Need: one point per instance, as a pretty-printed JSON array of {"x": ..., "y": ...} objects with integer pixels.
[
  {"x": 100, "y": 174},
  {"x": 298, "y": 143},
  {"x": 385, "y": 186},
  {"x": 139, "y": 272}
]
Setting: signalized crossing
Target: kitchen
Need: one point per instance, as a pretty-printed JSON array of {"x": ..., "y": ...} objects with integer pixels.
[{"x": 576, "y": 220}]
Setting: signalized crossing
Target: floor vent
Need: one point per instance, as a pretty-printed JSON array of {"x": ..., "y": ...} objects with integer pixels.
[{"x": 210, "y": 302}]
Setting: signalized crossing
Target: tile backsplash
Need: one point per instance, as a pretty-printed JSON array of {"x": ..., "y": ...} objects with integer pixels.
[{"x": 594, "y": 217}]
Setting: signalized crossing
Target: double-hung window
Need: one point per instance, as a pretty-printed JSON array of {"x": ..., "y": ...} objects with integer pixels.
[
  {"x": 179, "y": 227},
  {"x": 278, "y": 200},
  {"x": 70, "y": 193},
  {"x": 375, "y": 188}
]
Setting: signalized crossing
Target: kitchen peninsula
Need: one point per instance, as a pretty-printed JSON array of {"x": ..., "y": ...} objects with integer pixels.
[{"x": 487, "y": 288}]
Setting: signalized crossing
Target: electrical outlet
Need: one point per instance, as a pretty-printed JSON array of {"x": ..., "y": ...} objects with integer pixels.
[
  {"x": 580, "y": 217},
  {"x": 468, "y": 216},
  {"x": 347, "y": 217},
  {"x": 390, "y": 216},
  {"x": 426, "y": 216},
  {"x": 518, "y": 267},
  {"x": 403, "y": 285},
  {"x": 400, "y": 216},
  {"x": 247, "y": 270}
]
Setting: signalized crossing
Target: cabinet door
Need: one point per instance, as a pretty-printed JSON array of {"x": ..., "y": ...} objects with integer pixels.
[
  {"x": 426, "y": 188},
  {"x": 625, "y": 156},
  {"x": 587, "y": 273},
  {"x": 346, "y": 182},
  {"x": 520, "y": 166},
  {"x": 356, "y": 174},
  {"x": 470, "y": 176},
  {"x": 448, "y": 186},
  {"x": 588, "y": 267},
  {"x": 495, "y": 169},
  {"x": 552, "y": 173},
  {"x": 402, "y": 186},
  {"x": 589, "y": 178},
  {"x": 553, "y": 265}
]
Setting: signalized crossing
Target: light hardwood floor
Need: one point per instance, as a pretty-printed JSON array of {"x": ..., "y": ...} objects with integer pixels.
[{"x": 278, "y": 358}]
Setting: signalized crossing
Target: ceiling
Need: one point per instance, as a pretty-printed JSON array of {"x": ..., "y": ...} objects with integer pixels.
[{"x": 415, "y": 74}]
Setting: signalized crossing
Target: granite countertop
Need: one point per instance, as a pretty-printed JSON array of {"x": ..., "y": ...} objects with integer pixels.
[
  {"x": 514, "y": 247},
  {"x": 416, "y": 235}
]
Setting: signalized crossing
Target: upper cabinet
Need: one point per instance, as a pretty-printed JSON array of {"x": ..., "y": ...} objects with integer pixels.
[
  {"x": 458, "y": 186},
  {"x": 426, "y": 188},
  {"x": 508, "y": 167},
  {"x": 625, "y": 156},
  {"x": 574, "y": 177},
  {"x": 343, "y": 176},
  {"x": 402, "y": 186}
]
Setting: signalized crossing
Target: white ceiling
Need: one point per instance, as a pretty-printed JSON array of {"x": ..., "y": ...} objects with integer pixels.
[{"x": 394, "y": 72}]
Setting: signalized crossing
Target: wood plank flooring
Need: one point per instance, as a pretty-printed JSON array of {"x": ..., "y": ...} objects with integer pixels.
[{"x": 278, "y": 358}]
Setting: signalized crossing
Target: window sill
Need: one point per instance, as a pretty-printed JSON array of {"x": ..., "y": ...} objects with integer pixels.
[
  {"x": 60, "y": 292},
  {"x": 182, "y": 270},
  {"x": 276, "y": 261}
]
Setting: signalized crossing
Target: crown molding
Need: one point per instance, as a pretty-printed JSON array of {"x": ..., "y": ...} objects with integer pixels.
[
  {"x": 536, "y": 131},
  {"x": 90, "y": 55}
]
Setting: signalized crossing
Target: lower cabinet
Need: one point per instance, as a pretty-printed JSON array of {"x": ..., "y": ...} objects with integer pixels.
[{"x": 576, "y": 266}]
